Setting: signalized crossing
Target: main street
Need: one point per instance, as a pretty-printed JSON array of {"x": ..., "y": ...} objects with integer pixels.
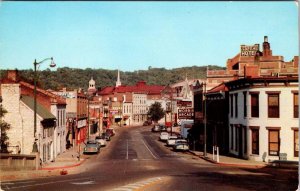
[{"x": 136, "y": 160}]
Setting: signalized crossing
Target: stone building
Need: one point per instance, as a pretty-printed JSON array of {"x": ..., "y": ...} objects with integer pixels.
[{"x": 18, "y": 100}]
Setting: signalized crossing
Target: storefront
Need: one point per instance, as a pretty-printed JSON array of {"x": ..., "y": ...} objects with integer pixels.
[{"x": 81, "y": 130}]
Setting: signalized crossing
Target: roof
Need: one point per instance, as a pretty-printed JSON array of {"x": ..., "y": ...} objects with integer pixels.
[
  {"x": 140, "y": 87},
  {"x": 56, "y": 98},
  {"x": 221, "y": 87},
  {"x": 244, "y": 82},
  {"x": 41, "y": 110}
]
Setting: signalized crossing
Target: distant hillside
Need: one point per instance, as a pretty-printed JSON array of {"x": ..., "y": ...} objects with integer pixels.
[{"x": 74, "y": 78}]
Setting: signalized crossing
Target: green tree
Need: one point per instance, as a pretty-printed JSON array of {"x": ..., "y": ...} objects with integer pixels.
[
  {"x": 4, "y": 127},
  {"x": 156, "y": 112}
]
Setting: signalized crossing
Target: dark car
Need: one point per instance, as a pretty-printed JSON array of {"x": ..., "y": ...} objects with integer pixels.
[
  {"x": 106, "y": 135},
  {"x": 111, "y": 131},
  {"x": 146, "y": 123}
]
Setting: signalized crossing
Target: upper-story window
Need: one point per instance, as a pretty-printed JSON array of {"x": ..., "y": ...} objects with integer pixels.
[
  {"x": 236, "y": 104},
  {"x": 254, "y": 104},
  {"x": 273, "y": 105},
  {"x": 296, "y": 106},
  {"x": 231, "y": 105},
  {"x": 245, "y": 103}
]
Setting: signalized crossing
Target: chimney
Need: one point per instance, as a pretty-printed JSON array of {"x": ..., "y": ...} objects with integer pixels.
[
  {"x": 266, "y": 47},
  {"x": 13, "y": 75}
]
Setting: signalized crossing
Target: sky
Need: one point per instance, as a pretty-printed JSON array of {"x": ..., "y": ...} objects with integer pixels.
[{"x": 132, "y": 36}]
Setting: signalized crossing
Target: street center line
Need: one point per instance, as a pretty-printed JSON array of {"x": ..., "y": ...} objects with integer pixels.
[{"x": 149, "y": 149}]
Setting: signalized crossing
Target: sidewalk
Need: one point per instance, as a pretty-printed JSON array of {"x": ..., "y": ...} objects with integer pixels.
[
  {"x": 232, "y": 161},
  {"x": 67, "y": 160}
]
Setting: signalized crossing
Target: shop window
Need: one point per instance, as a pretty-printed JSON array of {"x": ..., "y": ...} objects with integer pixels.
[
  {"x": 231, "y": 133},
  {"x": 44, "y": 152},
  {"x": 255, "y": 141},
  {"x": 274, "y": 142},
  {"x": 273, "y": 105}
]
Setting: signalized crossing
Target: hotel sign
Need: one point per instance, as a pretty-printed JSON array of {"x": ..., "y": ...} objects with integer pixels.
[
  {"x": 249, "y": 50},
  {"x": 186, "y": 113}
]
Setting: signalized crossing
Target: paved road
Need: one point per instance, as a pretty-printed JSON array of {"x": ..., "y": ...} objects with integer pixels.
[{"x": 136, "y": 160}]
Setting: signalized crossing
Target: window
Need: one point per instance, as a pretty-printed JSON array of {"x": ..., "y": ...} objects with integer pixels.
[
  {"x": 236, "y": 105},
  {"x": 296, "y": 143},
  {"x": 231, "y": 105},
  {"x": 44, "y": 152},
  {"x": 254, "y": 105},
  {"x": 255, "y": 141},
  {"x": 245, "y": 139},
  {"x": 44, "y": 133},
  {"x": 48, "y": 149},
  {"x": 296, "y": 111},
  {"x": 273, "y": 105},
  {"x": 245, "y": 104},
  {"x": 231, "y": 128},
  {"x": 274, "y": 142}
]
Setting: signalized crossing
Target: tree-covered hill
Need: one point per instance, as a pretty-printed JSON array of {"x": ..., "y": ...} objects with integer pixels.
[{"x": 73, "y": 78}]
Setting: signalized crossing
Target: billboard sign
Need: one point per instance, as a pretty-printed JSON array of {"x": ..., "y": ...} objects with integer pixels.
[
  {"x": 249, "y": 50},
  {"x": 187, "y": 113}
]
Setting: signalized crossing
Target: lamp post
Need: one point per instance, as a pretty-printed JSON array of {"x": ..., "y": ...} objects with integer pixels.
[
  {"x": 35, "y": 64},
  {"x": 205, "y": 119}
]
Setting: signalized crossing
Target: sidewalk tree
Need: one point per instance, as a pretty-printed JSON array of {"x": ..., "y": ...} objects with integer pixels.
[
  {"x": 3, "y": 127},
  {"x": 156, "y": 112}
]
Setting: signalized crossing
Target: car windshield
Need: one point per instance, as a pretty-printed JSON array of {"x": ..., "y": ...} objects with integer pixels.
[{"x": 91, "y": 145}]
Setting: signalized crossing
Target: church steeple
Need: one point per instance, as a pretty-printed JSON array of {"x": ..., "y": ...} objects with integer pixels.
[{"x": 118, "y": 82}]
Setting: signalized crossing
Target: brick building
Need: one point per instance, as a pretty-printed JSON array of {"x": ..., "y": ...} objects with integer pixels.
[{"x": 128, "y": 105}]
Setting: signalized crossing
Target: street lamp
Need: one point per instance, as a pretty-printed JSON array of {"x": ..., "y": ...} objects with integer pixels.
[
  {"x": 205, "y": 119},
  {"x": 35, "y": 64}
]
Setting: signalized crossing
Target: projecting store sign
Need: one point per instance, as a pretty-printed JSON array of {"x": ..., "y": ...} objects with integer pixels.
[
  {"x": 249, "y": 50},
  {"x": 186, "y": 113}
]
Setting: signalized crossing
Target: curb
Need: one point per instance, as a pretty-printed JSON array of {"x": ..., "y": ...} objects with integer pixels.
[
  {"x": 229, "y": 164},
  {"x": 63, "y": 167}
]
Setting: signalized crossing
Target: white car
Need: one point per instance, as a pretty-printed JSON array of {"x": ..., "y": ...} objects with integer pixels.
[
  {"x": 181, "y": 145},
  {"x": 164, "y": 136},
  {"x": 101, "y": 140},
  {"x": 171, "y": 140}
]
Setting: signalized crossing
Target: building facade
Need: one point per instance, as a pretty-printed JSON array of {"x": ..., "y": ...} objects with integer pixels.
[
  {"x": 18, "y": 99},
  {"x": 263, "y": 118}
]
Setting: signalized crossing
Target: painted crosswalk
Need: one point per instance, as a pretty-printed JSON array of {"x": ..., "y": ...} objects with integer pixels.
[{"x": 139, "y": 185}]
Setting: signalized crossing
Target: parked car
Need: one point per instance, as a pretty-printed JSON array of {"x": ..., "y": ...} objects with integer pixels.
[
  {"x": 155, "y": 128},
  {"x": 111, "y": 131},
  {"x": 102, "y": 140},
  {"x": 106, "y": 135},
  {"x": 91, "y": 147},
  {"x": 164, "y": 136},
  {"x": 171, "y": 141},
  {"x": 146, "y": 123},
  {"x": 181, "y": 145}
]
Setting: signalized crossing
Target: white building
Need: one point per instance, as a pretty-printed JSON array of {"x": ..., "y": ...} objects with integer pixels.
[
  {"x": 139, "y": 108},
  {"x": 263, "y": 118}
]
